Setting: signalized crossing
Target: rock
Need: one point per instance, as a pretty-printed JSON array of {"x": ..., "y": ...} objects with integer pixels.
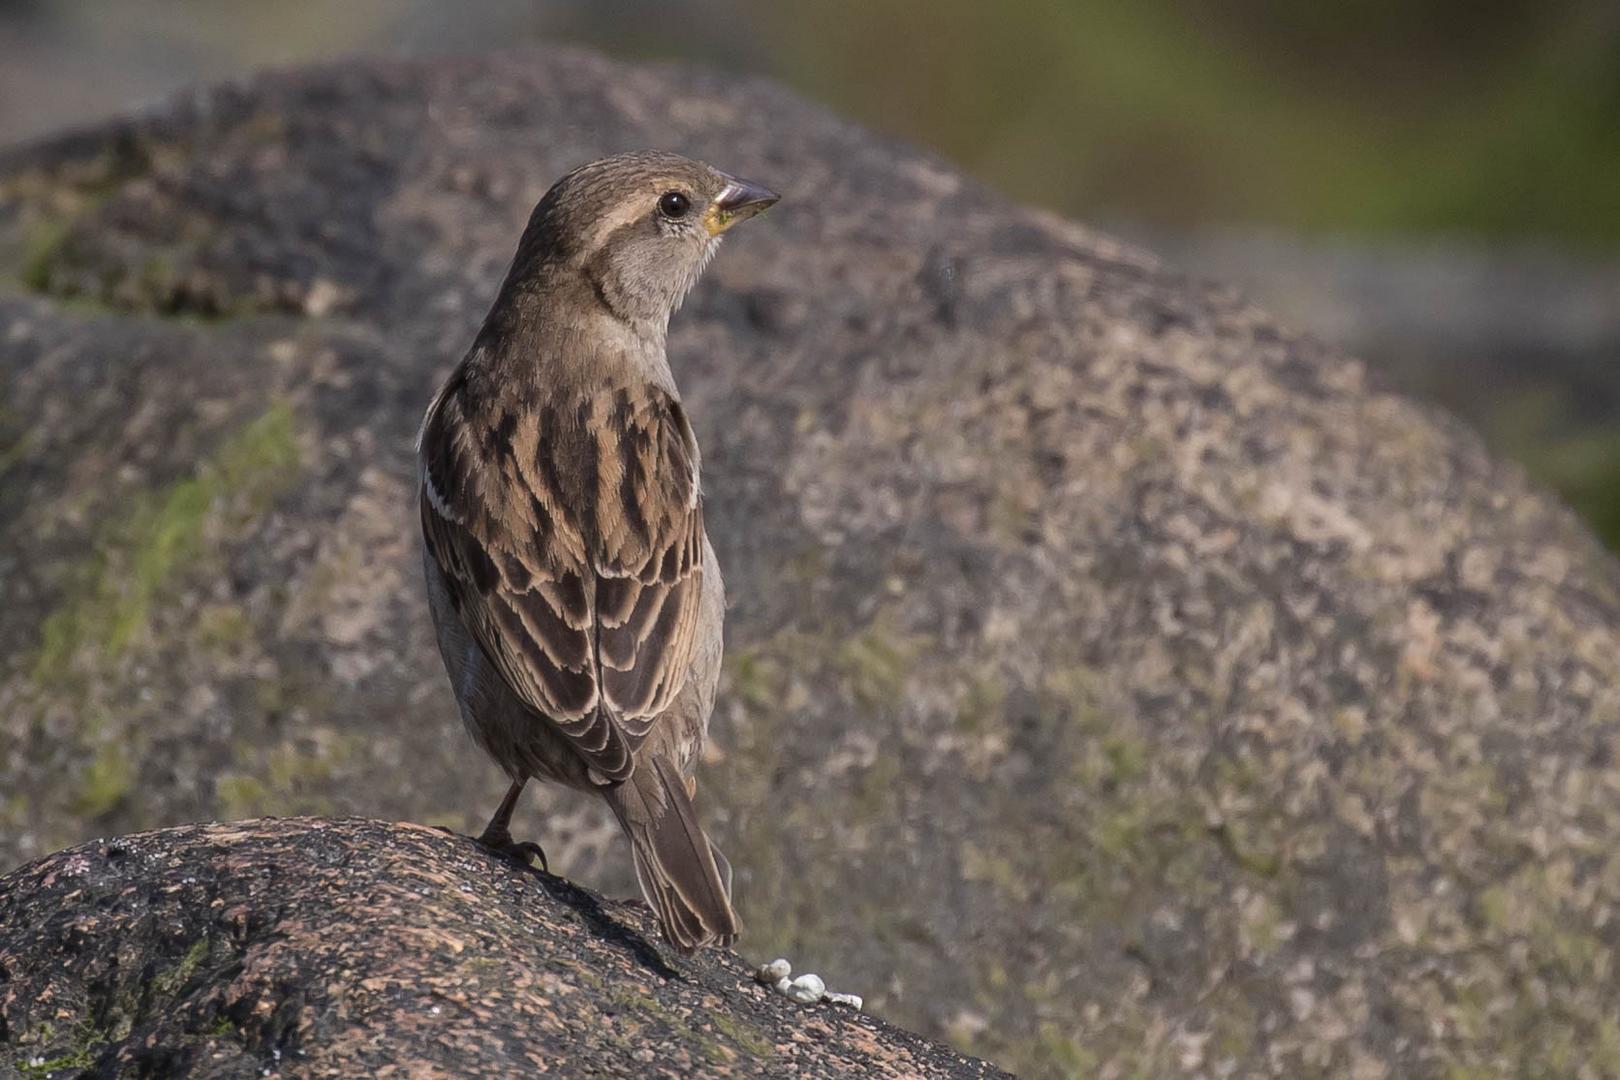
[
  {"x": 1116, "y": 682},
  {"x": 807, "y": 989},
  {"x": 776, "y": 970},
  {"x": 314, "y": 947}
]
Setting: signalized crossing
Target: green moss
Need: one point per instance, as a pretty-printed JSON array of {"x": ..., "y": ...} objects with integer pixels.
[
  {"x": 995, "y": 867},
  {"x": 877, "y": 788},
  {"x": 1248, "y": 839},
  {"x": 172, "y": 981},
  {"x": 285, "y": 779},
  {"x": 754, "y": 677},
  {"x": 1112, "y": 761},
  {"x": 876, "y": 662},
  {"x": 274, "y": 696},
  {"x": 643, "y": 1008},
  {"x": 873, "y": 663},
  {"x": 1263, "y": 924},
  {"x": 1605, "y": 1048},
  {"x": 586, "y": 976},
  {"x": 1057, "y": 1053},
  {"x": 163, "y": 532},
  {"x": 1118, "y": 833},
  {"x": 1126, "y": 758},
  {"x": 79, "y": 1059},
  {"x": 1073, "y": 690},
  {"x": 297, "y": 777},
  {"x": 1492, "y": 906},
  {"x": 711, "y": 1050},
  {"x": 14, "y": 811},
  {"x": 1535, "y": 905},
  {"x": 75, "y": 1049},
  {"x": 158, "y": 276},
  {"x": 53, "y": 203},
  {"x": 241, "y": 796},
  {"x": 40, "y": 250},
  {"x": 223, "y": 628},
  {"x": 748, "y": 1038},
  {"x": 1233, "y": 839},
  {"x": 257, "y": 459},
  {"x": 10, "y": 455},
  {"x": 809, "y": 565},
  {"x": 105, "y": 783},
  {"x": 1236, "y": 1024},
  {"x": 169, "y": 536},
  {"x": 982, "y": 702}
]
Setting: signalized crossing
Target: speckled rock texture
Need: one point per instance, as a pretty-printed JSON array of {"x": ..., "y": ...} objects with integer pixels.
[
  {"x": 313, "y": 947},
  {"x": 1117, "y": 684}
]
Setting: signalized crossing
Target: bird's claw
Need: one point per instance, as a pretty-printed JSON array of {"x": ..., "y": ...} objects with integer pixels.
[{"x": 524, "y": 851}]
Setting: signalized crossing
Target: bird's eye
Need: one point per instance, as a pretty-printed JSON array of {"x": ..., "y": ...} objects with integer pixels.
[{"x": 672, "y": 204}]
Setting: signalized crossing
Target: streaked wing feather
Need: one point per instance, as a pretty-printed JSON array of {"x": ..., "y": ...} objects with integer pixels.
[{"x": 588, "y": 612}]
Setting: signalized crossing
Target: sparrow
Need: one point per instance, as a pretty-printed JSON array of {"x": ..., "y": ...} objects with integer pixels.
[{"x": 576, "y": 598}]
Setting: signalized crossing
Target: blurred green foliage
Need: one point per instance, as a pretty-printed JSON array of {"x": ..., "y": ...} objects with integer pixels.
[{"x": 1500, "y": 117}]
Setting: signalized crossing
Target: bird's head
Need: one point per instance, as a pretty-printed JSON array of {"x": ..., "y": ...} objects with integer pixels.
[{"x": 639, "y": 227}]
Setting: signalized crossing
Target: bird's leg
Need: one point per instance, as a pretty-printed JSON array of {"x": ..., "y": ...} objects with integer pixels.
[{"x": 497, "y": 835}]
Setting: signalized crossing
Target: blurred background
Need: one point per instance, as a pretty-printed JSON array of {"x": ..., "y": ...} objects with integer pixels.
[{"x": 1432, "y": 184}]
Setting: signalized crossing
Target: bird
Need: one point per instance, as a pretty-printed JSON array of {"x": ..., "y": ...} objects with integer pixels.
[{"x": 575, "y": 595}]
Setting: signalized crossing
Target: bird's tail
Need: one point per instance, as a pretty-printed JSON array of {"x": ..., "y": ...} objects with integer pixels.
[{"x": 682, "y": 874}]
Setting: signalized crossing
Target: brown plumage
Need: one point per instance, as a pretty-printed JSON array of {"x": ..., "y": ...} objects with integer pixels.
[{"x": 576, "y": 597}]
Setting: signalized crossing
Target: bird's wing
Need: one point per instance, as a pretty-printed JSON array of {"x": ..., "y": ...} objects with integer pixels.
[{"x": 570, "y": 536}]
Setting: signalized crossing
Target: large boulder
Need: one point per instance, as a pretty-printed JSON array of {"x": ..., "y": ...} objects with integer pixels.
[
  {"x": 1115, "y": 681},
  {"x": 349, "y": 948}
]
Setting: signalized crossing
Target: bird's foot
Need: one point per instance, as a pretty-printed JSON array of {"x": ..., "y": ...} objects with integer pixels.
[{"x": 524, "y": 851}]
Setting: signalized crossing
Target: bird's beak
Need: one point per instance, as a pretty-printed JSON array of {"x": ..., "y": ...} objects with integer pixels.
[{"x": 738, "y": 200}]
